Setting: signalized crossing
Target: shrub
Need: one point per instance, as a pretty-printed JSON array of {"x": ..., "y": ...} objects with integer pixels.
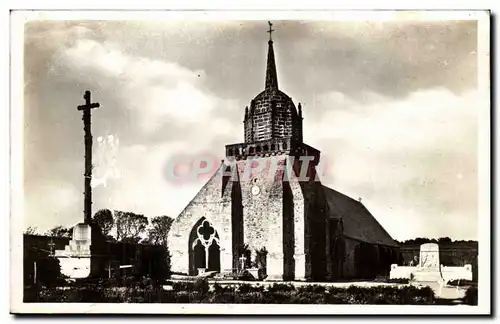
[
  {"x": 168, "y": 297},
  {"x": 244, "y": 288},
  {"x": 91, "y": 295},
  {"x": 183, "y": 286},
  {"x": 251, "y": 297},
  {"x": 52, "y": 295},
  {"x": 334, "y": 290},
  {"x": 258, "y": 288},
  {"x": 281, "y": 287},
  {"x": 380, "y": 295},
  {"x": 337, "y": 298},
  {"x": 183, "y": 298},
  {"x": 146, "y": 282},
  {"x": 461, "y": 283},
  {"x": 201, "y": 286},
  {"x": 307, "y": 297},
  {"x": 277, "y": 297},
  {"x": 30, "y": 294},
  {"x": 247, "y": 288},
  {"x": 399, "y": 281},
  {"x": 197, "y": 292},
  {"x": 129, "y": 281},
  {"x": 218, "y": 288},
  {"x": 318, "y": 289},
  {"x": 470, "y": 297},
  {"x": 414, "y": 295},
  {"x": 49, "y": 272}
]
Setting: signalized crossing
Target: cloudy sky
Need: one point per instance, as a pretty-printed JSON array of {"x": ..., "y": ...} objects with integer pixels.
[{"x": 391, "y": 105}]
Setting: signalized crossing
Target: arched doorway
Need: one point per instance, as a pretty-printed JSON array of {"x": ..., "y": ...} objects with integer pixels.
[{"x": 204, "y": 247}]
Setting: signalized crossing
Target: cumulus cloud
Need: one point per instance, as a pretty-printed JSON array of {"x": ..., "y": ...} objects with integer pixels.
[
  {"x": 153, "y": 90},
  {"x": 155, "y": 108},
  {"x": 47, "y": 204},
  {"x": 413, "y": 161},
  {"x": 392, "y": 106}
]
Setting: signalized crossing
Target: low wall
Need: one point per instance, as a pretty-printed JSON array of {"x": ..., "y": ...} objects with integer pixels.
[{"x": 450, "y": 255}]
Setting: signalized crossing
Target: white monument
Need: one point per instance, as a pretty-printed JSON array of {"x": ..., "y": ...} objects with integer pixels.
[
  {"x": 75, "y": 259},
  {"x": 429, "y": 268}
]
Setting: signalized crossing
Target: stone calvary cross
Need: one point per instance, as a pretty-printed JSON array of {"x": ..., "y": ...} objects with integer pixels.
[{"x": 88, "y": 155}]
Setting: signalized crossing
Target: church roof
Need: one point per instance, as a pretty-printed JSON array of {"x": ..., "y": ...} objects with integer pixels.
[{"x": 358, "y": 222}]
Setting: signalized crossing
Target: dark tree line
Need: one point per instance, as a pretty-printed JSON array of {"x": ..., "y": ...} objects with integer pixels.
[
  {"x": 441, "y": 241},
  {"x": 130, "y": 227}
]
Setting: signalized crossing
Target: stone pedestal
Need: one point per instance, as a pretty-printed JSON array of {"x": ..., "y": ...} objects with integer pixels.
[
  {"x": 85, "y": 255},
  {"x": 75, "y": 259},
  {"x": 429, "y": 256},
  {"x": 428, "y": 269},
  {"x": 427, "y": 275}
]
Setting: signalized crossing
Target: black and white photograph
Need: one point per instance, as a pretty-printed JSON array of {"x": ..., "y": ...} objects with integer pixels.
[{"x": 250, "y": 162}]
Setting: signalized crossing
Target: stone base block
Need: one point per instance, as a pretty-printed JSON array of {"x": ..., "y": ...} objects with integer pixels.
[{"x": 427, "y": 276}]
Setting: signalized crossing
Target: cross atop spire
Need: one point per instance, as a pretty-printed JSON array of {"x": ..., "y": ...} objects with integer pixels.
[
  {"x": 270, "y": 31},
  {"x": 271, "y": 76}
]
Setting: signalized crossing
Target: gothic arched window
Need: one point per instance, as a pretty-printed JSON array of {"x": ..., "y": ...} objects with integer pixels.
[{"x": 206, "y": 235}]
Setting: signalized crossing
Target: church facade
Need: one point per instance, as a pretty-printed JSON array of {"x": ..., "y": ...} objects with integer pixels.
[{"x": 265, "y": 208}]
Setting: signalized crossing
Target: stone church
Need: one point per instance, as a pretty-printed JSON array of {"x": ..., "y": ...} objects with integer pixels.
[{"x": 266, "y": 209}]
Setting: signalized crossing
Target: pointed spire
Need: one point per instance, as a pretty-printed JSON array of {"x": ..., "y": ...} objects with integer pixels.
[
  {"x": 271, "y": 76},
  {"x": 300, "y": 110}
]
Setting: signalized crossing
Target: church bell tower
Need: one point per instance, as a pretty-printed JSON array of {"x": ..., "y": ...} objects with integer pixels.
[{"x": 272, "y": 122}]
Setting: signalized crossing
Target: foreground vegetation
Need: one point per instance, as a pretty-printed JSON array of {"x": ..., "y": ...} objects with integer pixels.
[{"x": 202, "y": 292}]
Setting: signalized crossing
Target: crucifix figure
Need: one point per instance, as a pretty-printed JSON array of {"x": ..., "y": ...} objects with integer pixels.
[
  {"x": 270, "y": 31},
  {"x": 242, "y": 261},
  {"x": 51, "y": 246},
  {"x": 88, "y": 155}
]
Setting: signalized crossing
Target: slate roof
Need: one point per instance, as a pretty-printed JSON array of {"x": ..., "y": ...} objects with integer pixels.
[{"x": 358, "y": 222}]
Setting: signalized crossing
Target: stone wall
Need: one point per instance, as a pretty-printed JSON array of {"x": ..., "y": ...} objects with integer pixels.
[
  {"x": 301, "y": 230},
  {"x": 349, "y": 270},
  {"x": 257, "y": 209},
  {"x": 213, "y": 202},
  {"x": 366, "y": 261},
  {"x": 263, "y": 211}
]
